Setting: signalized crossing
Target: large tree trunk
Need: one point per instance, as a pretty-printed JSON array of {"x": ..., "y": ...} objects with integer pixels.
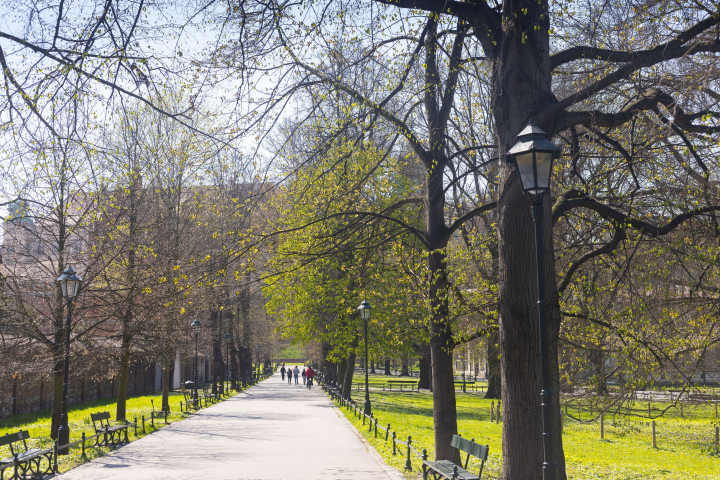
[
  {"x": 57, "y": 376},
  {"x": 521, "y": 89},
  {"x": 441, "y": 348},
  {"x": 166, "y": 370},
  {"x": 340, "y": 370},
  {"x": 493, "y": 366},
  {"x": 425, "y": 380},
  {"x": 404, "y": 371},
  {"x": 387, "y": 367},
  {"x": 120, "y": 409},
  {"x": 349, "y": 370}
]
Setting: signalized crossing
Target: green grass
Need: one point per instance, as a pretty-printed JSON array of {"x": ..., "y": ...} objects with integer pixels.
[
  {"x": 292, "y": 351},
  {"x": 685, "y": 445},
  {"x": 38, "y": 424}
]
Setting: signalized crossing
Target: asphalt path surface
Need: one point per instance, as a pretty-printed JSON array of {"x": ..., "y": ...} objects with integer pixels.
[{"x": 271, "y": 431}]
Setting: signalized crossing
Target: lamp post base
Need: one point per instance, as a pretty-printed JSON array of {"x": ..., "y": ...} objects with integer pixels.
[
  {"x": 63, "y": 435},
  {"x": 367, "y": 408}
]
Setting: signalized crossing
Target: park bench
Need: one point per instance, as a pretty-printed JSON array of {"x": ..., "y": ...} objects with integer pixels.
[
  {"x": 24, "y": 460},
  {"x": 112, "y": 435},
  {"x": 189, "y": 402},
  {"x": 469, "y": 385},
  {"x": 448, "y": 468},
  {"x": 205, "y": 395},
  {"x": 411, "y": 383}
]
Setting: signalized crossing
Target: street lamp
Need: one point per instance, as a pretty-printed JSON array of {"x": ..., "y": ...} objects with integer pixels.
[
  {"x": 365, "y": 315},
  {"x": 70, "y": 284},
  {"x": 196, "y": 328},
  {"x": 533, "y": 157},
  {"x": 227, "y": 347}
]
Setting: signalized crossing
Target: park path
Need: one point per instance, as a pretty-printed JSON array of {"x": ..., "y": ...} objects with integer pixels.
[{"x": 272, "y": 431}]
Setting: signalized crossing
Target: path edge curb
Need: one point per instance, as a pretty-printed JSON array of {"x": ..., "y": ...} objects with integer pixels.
[{"x": 391, "y": 472}]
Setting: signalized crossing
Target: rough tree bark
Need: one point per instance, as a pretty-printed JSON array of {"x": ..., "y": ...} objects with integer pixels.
[
  {"x": 425, "y": 380},
  {"x": 493, "y": 366},
  {"x": 350, "y": 368}
]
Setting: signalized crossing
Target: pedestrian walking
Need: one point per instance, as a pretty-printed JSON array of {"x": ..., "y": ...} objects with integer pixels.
[
  {"x": 310, "y": 374},
  {"x": 303, "y": 375},
  {"x": 282, "y": 372},
  {"x": 296, "y": 372},
  {"x": 289, "y": 374}
]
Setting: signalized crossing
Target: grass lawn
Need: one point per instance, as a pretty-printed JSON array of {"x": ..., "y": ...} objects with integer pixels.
[
  {"x": 377, "y": 378},
  {"x": 685, "y": 445},
  {"x": 38, "y": 424}
]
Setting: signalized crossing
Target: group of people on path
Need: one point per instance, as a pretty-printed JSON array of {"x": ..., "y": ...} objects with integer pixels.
[{"x": 307, "y": 375}]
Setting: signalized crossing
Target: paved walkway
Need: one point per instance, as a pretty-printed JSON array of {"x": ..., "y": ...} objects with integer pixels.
[{"x": 272, "y": 431}]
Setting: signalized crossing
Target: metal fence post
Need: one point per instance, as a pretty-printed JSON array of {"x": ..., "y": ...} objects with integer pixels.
[
  {"x": 82, "y": 455},
  {"x": 424, "y": 467},
  {"x": 394, "y": 445},
  {"x": 654, "y": 443},
  {"x": 408, "y": 465},
  {"x": 135, "y": 421},
  {"x": 375, "y": 427},
  {"x": 143, "y": 421},
  {"x": 55, "y": 454},
  {"x": 387, "y": 432}
]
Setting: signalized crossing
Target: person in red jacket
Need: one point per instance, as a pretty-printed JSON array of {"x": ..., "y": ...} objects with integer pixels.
[{"x": 309, "y": 374}]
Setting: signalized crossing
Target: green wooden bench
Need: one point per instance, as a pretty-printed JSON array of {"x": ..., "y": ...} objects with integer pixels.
[
  {"x": 448, "y": 468},
  {"x": 112, "y": 435},
  {"x": 25, "y": 461},
  {"x": 411, "y": 383}
]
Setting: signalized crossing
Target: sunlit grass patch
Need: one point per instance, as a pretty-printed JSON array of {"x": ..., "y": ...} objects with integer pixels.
[{"x": 685, "y": 444}]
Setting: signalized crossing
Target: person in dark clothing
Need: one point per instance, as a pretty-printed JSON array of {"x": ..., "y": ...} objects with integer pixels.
[
  {"x": 303, "y": 375},
  {"x": 289, "y": 374},
  {"x": 282, "y": 372}
]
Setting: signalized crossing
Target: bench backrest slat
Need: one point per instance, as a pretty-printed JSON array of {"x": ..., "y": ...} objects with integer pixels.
[
  {"x": 103, "y": 418},
  {"x": 9, "y": 438},
  {"x": 96, "y": 417},
  {"x": 467, "y": 446}
]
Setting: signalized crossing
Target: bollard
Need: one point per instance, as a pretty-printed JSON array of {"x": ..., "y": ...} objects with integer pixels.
[
  {"x": 143, "y": 420},
  {"x": 387, "y": 432},
  {"x": 602, "y": 427},
  {"x": 408, "y": 465},
  {"x": 370, "y": 422},
  {"x": 654, "y": 443},
  {"x": 492, "y": 412},
  {"x": 135, "y": 422},
  {"x": 82, "y": 455},
  {"x": 376, "y": 428},
  {"x": 394, "y": 447}
]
